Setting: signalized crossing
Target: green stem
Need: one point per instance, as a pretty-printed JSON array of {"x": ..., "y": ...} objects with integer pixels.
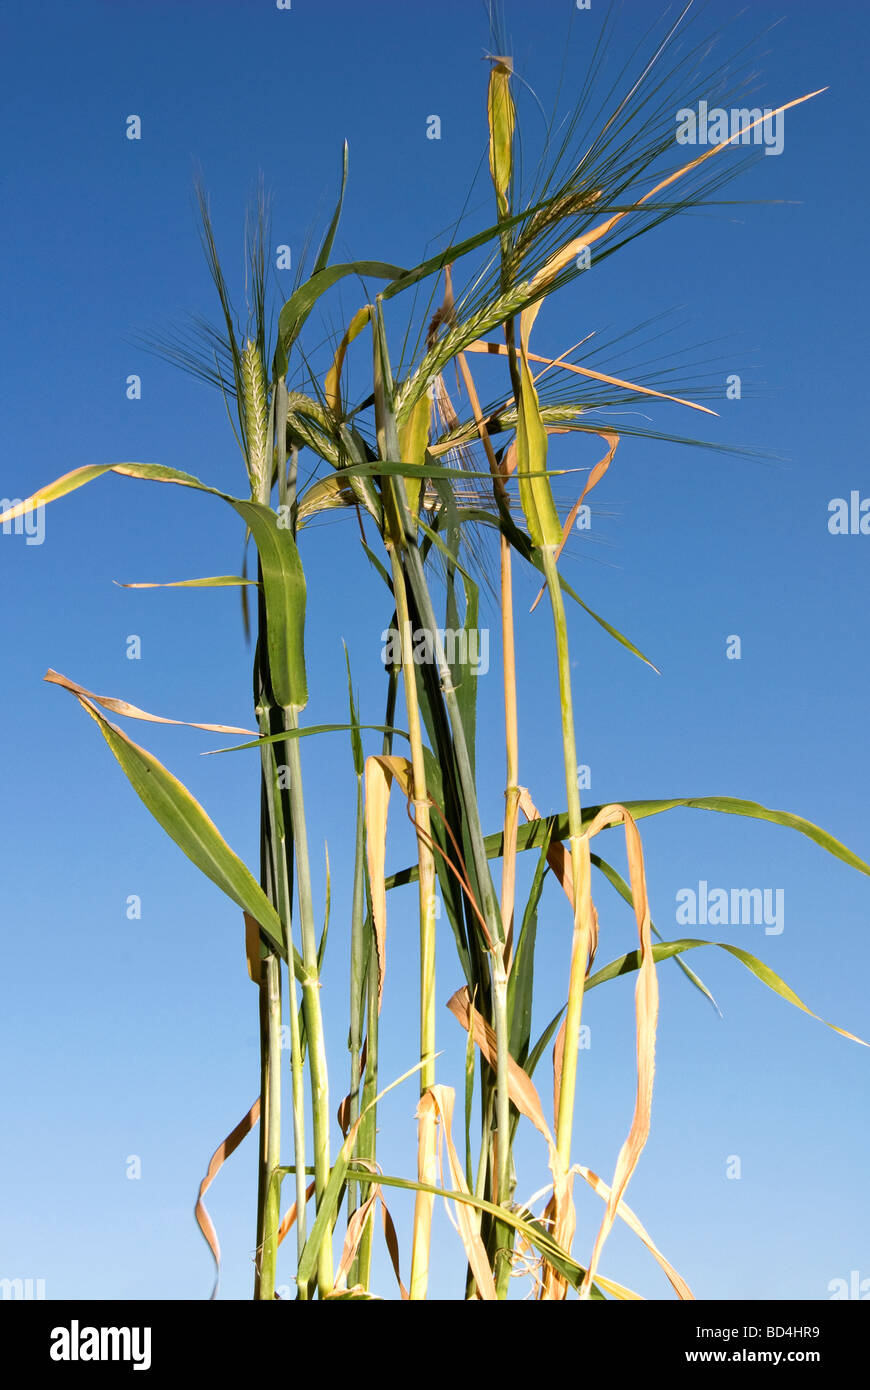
[
  {"x": 423, "y": 1205},
  {"x": 400, "y": 531},
  {"x": 425, "y": 855},
  {"x": 270, "y": 1124},
  {"x": 280, "y": 877},
  {"x": 266, "y": 882},
  {"x": 284, "y": 851},
  {"x": 310, "y": 992},
  {"x": 489, "y": 907},
  {"x": 401, "y": 535},
  {"x": 502, "y": 1104},
  {"x": 565, "y": 1117},
  {"x": 367, "y": 1146},
  {"x": 297, "y": 1073},
  {"x": 357, "y": 978},
  {"x": 269, "y": 984}
]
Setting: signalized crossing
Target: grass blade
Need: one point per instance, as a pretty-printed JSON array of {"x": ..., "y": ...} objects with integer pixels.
[
  {"x": 187, "y": 824},
  {"x": 664, "y": 950}
]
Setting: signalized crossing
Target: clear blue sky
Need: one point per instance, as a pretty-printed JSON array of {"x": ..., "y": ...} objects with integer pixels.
[{"x": 140, "y": 1037}]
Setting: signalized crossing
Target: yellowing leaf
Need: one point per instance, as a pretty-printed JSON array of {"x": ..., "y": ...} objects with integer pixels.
[
  {"x": 548, "y": 272},
  {"x": 216, "y": 1162},
  {"x": 520, "y": 1085},
  {"x": 646, "y": 1010},
  {"x": 437, "y": 1103},
  {"x": 131, "y": 712},
  {"x": 332, "y": 383},
  {"x": 627, "y": 1215},
  {"x": 483, "y": 345}
]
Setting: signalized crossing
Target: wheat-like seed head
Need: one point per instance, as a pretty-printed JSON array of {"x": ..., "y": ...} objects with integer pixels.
[{"x": 256, "y": 419}]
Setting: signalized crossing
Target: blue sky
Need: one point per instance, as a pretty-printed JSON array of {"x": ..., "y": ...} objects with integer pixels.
[{"x": 139, "y": 1037}]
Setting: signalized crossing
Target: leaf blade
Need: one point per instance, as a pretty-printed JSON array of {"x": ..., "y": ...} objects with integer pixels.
[
  {"x": 663, "y": 950},
  {"x": 180, "y": 815}
]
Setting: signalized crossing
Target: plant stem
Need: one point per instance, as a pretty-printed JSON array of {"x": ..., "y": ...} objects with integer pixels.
[
  {"x": 367, "y": 1143},
  {"x": 424, "y": 1202},
  {"x": 502, "y": 1098},
  {"x": 399, "y": 533},
  {"x": 400, "y": 521},
  {"x": 489, "y": 906},
  {"x": 273, "y": 871},
  {"x": 580, "y": 868},
  {"x": 357, "y": 977},
  {"x": 270, "y": 1123},
  {"x": 281, "y": 876},
  {"x": 310, "y": 992},
  {"x": 502, "y": 952},
  {"x": 424, "y": 831}
]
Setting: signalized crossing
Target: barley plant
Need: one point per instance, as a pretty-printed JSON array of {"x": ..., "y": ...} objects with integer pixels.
[{"x": 436, "y": 480}]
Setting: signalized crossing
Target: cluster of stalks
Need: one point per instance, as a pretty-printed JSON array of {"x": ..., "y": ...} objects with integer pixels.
[{"x": 420, "y": 479}]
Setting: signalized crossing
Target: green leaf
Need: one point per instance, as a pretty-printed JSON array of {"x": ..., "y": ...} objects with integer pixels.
[
  {"x": 281, "y": 348},
  {"x": 284, "y": 590},
  {"x": 408, "y": 278},
  {"x": 536, "y": 494},
  {"x": 520, "y": 1220},
  {"x": 445, "y": 550},
  {"x": 537, "y": 1051},
  {"x": 300, "y": 304},
  {"x": 523, "y": 545},
  {"x": 624, "y": 964},
  {"x": 283, "y": 578},
  {"x": 391, "y": 467},
  {"x": 463, "y": 678},
  {"x": 376, "y": 564},
  {"x": 322, "y": 1227},
  {"x": 321, "y": 950},
  {"x": 529, "y": 836},
  {"x": 77, "y": 478},
  {"x": 284, "y": 734},
  {"x": 522, "y": 977},
  {"x": 326, "y": 249},
  {"x": 355, "y": 740},
  {"x": 452, "y": 895},
  {"x": 187, "y": 824},
  {"x": 732, "y": 806}
]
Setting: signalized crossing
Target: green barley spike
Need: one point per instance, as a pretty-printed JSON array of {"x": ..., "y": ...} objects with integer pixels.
[{"x": 256, "y": 419}]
